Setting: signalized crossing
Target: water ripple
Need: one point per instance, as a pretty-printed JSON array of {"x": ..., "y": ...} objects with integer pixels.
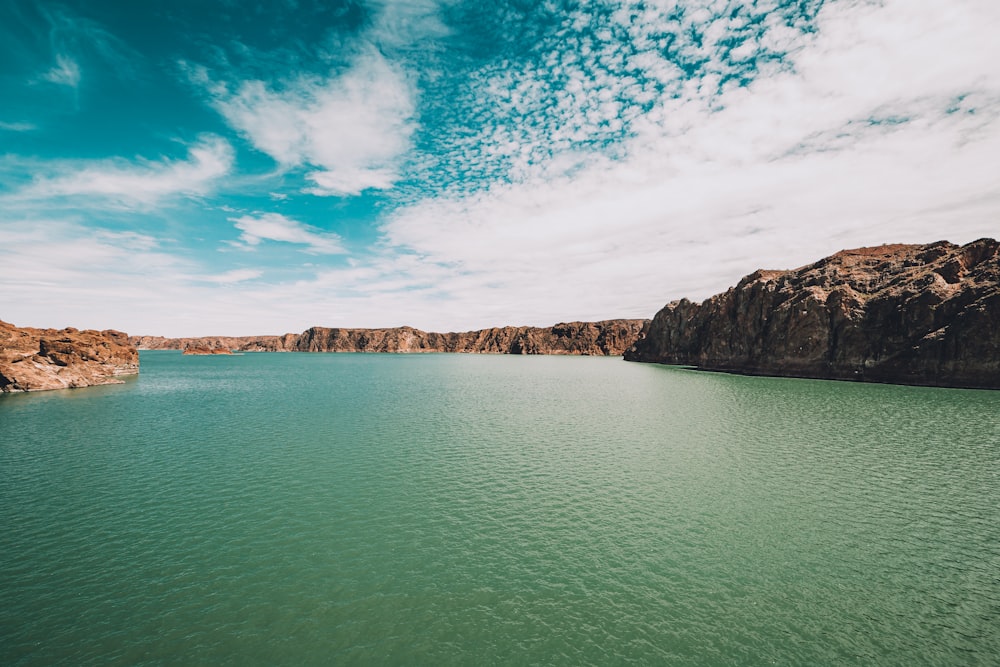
[{"x": 449, "y": 509}]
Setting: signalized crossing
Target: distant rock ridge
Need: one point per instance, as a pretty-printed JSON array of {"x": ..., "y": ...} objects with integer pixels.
[
  {"x": 906, "y": 314},
  {"x": 40, "y": 359},
  {"x": 283, "y": 343},
  {"x": 604, "y": 338}
]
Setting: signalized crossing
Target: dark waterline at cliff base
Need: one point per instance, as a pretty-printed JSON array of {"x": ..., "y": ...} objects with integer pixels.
[{"x": 468, "y": 509}]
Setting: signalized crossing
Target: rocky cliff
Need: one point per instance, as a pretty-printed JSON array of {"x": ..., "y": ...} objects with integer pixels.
[
  {"x": 37, "y": 359},
  {"x": 285, "y": 343},
  {"x": 907, "y": 314},
  {"x": 609, "y": 337}
]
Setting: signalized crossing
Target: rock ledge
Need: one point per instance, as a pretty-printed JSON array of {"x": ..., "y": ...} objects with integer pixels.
[{"x": 40, "y": 359}]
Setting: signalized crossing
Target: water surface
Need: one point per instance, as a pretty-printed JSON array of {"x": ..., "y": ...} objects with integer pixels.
[{"x": 462, "y": 509}]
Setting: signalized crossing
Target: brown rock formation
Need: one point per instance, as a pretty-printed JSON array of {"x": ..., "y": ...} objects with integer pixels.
[
  {"x": 606, "y": 338},
  {"x": 906, "y": 314},
  {"x": 609, "y": 337},
  {"x": 37, "y": 359},
  {"x": 243, "y": 343}
]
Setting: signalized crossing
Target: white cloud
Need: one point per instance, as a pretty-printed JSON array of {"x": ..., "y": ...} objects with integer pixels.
[
  {"x": 141, "y": 183},
  {"x": 65, "y": 274},
  {"x": 60, "y": 273},
  {"x": 75, "y": 39},
  {"x": 276, "y": 227},
  {"x": 66, "y": 72},
  {"x": 234, "y": 276},
  {"x": 352, "y": 128},
  {"x": 401, "y": 25},
  {"x": 17, "y": 127},
  {"x": 883, "y": 126},
  {"x": 351, "y": 181}
]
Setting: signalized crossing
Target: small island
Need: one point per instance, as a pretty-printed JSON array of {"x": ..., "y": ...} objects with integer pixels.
[{"x": 201, "y": 350}]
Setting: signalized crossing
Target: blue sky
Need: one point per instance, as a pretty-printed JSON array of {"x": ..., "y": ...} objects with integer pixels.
[{"x": 193, "y": 168}]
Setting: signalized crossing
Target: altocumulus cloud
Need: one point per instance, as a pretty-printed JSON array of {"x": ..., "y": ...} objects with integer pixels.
[{"x": 854, "y": 135}]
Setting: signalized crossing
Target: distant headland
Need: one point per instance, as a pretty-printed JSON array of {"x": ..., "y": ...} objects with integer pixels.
[
  {"x": 903, "y": 314},
  {"x": 605, "y": 338}
]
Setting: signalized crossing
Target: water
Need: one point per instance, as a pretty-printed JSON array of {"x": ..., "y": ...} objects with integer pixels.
[{"x": 456, "y": 509}]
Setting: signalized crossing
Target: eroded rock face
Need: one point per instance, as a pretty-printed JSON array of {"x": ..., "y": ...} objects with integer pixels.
[
  {"x": 907, "y": 314},
  {"x": 283, "y": 343},
  {"x": 38, "y": 359},
  {"x": 608, "y": 337}
]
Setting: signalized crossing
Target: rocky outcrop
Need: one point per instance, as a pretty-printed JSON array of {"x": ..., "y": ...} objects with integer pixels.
[
  {"x": 38, "y": 359},
  {"x": 906, "y": 314},
  {"x": 283, "y": 343},
  {"x": 607, "y": 338}
]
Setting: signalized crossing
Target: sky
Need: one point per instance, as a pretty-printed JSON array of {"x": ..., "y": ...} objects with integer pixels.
[{"x": 183, "y": 168}]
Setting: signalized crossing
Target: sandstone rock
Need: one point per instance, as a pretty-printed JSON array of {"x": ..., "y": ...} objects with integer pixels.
[
  {"x": 283, "y": 343},
  {"x": 38, "y": 359},
  {"x": 907, "y": 314},
  {"x": 606, "y": 338}
]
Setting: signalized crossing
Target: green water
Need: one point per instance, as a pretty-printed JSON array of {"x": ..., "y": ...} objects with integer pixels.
[{"x": 461, "y": 510}]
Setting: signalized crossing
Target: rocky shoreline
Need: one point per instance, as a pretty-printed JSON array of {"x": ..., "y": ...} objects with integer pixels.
[
  {"x": 604, "y": 338},
  {"x": 41, "y": 359},
  {"x": 902, "y": 314}
]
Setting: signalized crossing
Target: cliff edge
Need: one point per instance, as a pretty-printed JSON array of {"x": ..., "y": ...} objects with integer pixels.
[
  {"x": 905, "y": 314},
  {"x": 39, "y": 359},
  {"x": 604, "y": 338}
]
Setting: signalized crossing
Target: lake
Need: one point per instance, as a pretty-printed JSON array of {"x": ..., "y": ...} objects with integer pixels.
[{"x": 463, "y": 509}]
